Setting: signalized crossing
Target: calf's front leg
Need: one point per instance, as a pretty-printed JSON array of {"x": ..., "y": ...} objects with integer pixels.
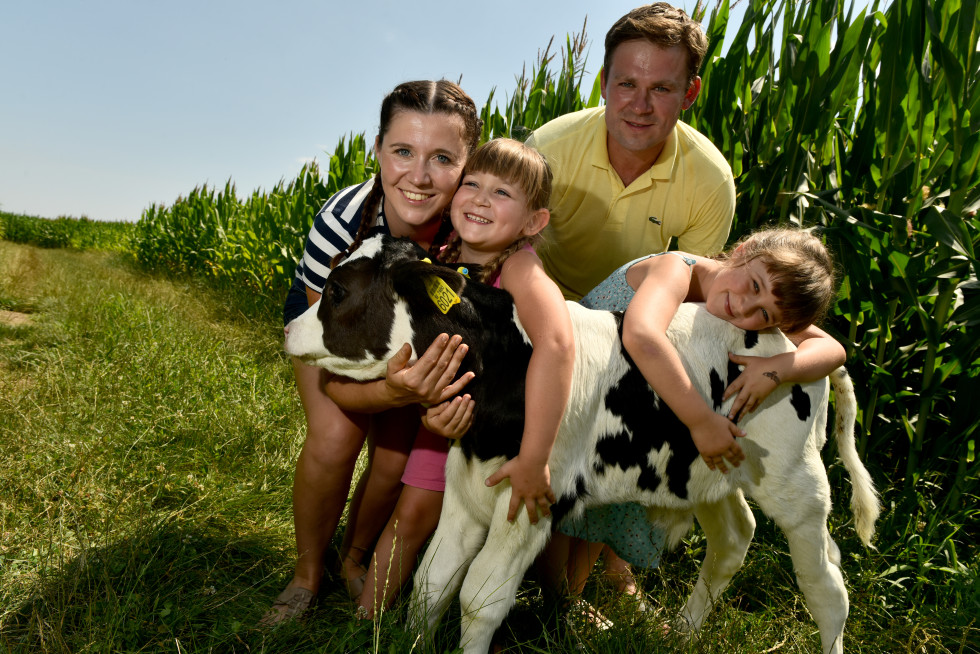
[
  {"x": 490, "y": 588},
  {"x": 455, "y": 543}
]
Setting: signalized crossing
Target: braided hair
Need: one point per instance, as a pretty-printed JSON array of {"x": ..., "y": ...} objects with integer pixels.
[
  {"x": 520, "y": 165},
  {"x": 425, "y": 97}
]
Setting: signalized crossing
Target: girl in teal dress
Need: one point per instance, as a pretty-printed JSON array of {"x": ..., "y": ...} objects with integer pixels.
[{"x": 774, "y": 279}]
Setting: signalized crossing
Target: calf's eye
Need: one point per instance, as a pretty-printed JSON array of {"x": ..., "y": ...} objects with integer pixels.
[{"x": 336, "y": 294}]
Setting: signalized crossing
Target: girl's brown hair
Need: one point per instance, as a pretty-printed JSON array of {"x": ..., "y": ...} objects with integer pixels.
[
  {"x": 518, "y": 164},
  {"x": 801, "y": 269},
  {"x": 425, "y": 97}
]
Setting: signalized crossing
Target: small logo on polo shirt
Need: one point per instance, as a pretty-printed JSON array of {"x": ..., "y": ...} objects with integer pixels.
[{"x": 655, "y": 220}]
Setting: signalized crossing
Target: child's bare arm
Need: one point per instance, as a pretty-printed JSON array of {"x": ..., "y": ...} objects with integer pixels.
[
  {"x": 663, "y": 287},
  {"x": 817, "y": 355},
  {"x": 545, "y": 318}
]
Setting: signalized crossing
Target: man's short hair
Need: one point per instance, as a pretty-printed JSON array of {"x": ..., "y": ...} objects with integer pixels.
[{"x": 663, "y": 25}]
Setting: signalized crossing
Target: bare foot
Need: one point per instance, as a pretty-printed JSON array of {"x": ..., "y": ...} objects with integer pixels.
[{"x": 621, "y": 579}]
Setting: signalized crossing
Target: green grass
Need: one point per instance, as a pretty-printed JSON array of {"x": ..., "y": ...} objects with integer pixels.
[
  {"x": 148, "y": 433},
  {"x": 148, "y": 438}
]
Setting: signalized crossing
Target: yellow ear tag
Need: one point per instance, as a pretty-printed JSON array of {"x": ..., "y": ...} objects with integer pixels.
[{"x": 440, "y": 293}]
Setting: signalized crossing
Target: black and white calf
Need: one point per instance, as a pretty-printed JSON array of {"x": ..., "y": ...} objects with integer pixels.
[{"x": 617, "y": 443}]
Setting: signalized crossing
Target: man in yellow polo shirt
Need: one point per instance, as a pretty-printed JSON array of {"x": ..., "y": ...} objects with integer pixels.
[{"x": 630, "y": 177}]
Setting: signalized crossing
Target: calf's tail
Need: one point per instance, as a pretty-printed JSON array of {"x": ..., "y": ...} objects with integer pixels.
[{"x": 865, "y": 503}]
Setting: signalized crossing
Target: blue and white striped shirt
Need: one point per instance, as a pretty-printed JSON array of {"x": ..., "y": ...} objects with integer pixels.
[{"x": 334, "y": 229}]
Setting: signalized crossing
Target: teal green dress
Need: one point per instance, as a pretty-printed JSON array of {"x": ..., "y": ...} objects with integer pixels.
[{"x": 623, "y": 527}]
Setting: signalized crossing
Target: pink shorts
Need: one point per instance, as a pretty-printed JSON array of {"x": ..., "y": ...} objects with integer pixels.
[{"x": 426, "y": 467}]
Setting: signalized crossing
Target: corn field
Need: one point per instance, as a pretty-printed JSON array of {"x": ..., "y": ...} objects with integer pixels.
[
  {"x": 864, "y": 124},
  {"x": 251, "y": 244},
  {"x": 65, "y": 232}
]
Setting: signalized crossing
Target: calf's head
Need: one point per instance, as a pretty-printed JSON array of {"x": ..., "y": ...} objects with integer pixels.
[{"x": 368, "y": 310}]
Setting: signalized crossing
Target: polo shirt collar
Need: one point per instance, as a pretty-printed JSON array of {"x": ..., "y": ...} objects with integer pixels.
[{"x": 598, "y": 152}]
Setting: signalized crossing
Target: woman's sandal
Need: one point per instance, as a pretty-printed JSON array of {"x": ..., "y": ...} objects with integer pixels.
[
  {"x": 355, "y": 585},
  {"x": 289, "y": 605}
]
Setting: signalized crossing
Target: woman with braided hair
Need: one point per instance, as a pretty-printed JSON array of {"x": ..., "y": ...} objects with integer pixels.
[{"x": 426, "y": 132}]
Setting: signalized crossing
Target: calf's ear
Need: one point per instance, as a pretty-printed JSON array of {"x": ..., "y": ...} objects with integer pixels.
[{"x": 412, "y": 278}]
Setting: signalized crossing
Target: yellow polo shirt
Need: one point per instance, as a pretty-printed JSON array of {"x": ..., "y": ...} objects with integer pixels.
[{"x": 597, "y": 225}]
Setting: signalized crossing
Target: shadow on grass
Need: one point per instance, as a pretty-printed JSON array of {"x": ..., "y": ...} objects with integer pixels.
[
  {"x": 172, "y": 588},
  {"x": 177, "y": 587},
  {"x": 182, "y": 586}
]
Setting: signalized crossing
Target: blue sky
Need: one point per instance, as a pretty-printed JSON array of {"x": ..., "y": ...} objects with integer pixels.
[{"x": 110, "y": 106}]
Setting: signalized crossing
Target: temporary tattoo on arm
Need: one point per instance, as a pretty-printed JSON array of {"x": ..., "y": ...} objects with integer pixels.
[{"x": 773, "y": 376}]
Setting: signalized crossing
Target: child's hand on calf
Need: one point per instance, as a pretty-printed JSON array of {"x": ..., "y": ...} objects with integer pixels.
[
  {"x": 715, "y": 439},
  {"x": 530, "y": 485},
  {"x": 759, "y": 378}
]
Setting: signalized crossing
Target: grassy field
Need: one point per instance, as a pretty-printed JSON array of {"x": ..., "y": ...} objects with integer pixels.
[
  {"x": 149, "y": 426},
  {"x": 148, "y": 432}
]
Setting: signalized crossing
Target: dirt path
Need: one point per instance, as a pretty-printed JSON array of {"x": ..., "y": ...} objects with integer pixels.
[{"x": 14, "y": 318}]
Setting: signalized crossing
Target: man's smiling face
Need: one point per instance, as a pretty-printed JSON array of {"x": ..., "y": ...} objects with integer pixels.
[{"x": 645, "y": 88}]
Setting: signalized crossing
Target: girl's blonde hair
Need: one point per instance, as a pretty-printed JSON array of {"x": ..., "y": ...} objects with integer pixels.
[
  {"x": 801, "y": 269},
  {"x": 520, "y": 165}
]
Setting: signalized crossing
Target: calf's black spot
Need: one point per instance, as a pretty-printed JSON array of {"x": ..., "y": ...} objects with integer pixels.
[
  {"x": 649, "y": 479},
  {"x": 751, "y": 339},
  {"x": 733, "y": 371},
  {"x": 717, "y": 387},
  {"x": 567, "y": 502},
  {"x": 801, "y": 402},
  {"x": 648, "y": 426}
]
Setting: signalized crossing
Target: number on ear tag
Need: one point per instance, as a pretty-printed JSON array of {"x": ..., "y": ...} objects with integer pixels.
[{"x": 441, "y": 294}]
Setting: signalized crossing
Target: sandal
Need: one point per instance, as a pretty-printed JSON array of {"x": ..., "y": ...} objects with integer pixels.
[
  {"x": 640, "y": 600},
  {"x": 289, "y": 605},
  {"x": 355, "y": 585}
]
